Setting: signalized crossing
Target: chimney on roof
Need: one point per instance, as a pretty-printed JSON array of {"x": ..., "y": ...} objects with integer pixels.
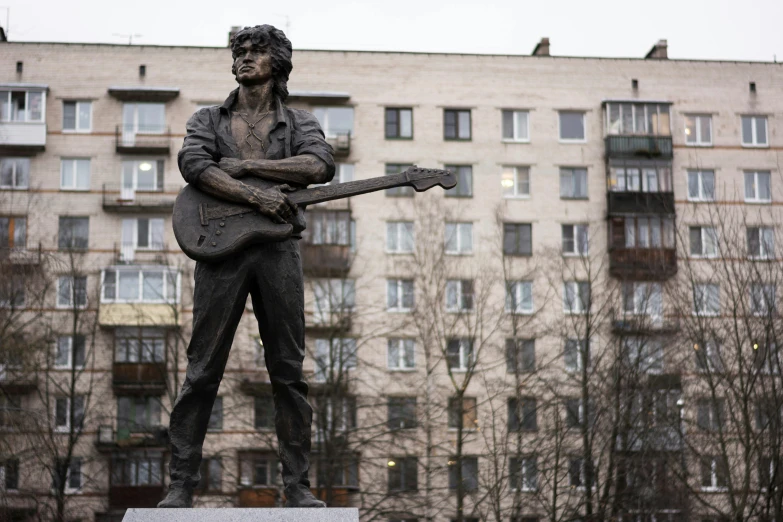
[
  {"x": 659, "y": 51},
  {"x": 234, "y": 30},
  {"x": 542, "y": 48}
]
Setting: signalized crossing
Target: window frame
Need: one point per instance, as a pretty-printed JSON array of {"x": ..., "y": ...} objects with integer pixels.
[
  {"x": 518, "y": 228},
  {"x": 515, "y": 127},
  {"x": 328, "y": 132},
  {"x": 760, "y": 296},
  {"x": 754, "y": 118},
  {"x": 72, "y": 302},
  {"x": 705, "y": 237},
  {"x": 71, "y": 353},
  {"x": 560, "y": 138},
  {"x": 400, "y": 230},
  {"x": 390, "y": 169},
  {"x": 571, "y": 171},
  {"x": 469, "y": 461},
  {"x": 513, "y": 290},
  {"x": 756, "y": 199},
  {"x": 74, "y": 163},
  {"x": 515, "y": 170},
  {"x": 71, "y": 242},
  {"x": 458, "y": 225},
  {"x": 699, "y": 173},
  {"x": 577, "y": 287},
  {"x": 386, "y": 123},
  {"x": 581, "y": 345},
  {"x": 704, "y": 288},
  {"x": 27, "y": 92},
  {"x": 465, "y": 354},
  {"x": 167, "y": 273},
  {"x": 335, "y": 358},
  {"x": 516, "y": 359},
  {"x": 132, "y": 127},
  {"x": 465, "y": 300},
  {"x": 457, "y": 125},
  {"x": 263, "y": 404},
  {"x": 77, "y": 416},
  {"x": 402, "y": 350},
  {"x": 15, "y": 172},
  {"x": 578, "y": 250},
  {"x": 697, "y": 120},
  {"x": 399, "y": 306},
  {"x": 77, "y": 105},
  {"x": 14, "y": 231},
  {"x": 457, "y": 191},
  {"x": 764, "y": 253},
  {"x": 402, "y": 472},
  {"x": 519, "y": 466},
  {"x": 403, "y": 405}
]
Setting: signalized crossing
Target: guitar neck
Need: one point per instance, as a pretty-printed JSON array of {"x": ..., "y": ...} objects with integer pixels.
[{"x": 347, "y": 189}]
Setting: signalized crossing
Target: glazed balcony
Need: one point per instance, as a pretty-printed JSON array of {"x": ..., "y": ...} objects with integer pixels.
[
  {"x": 139, "y": 378},
  {"x": 642, "y": 264},
  {"x": 109, "y": 440},
  {"x": 341, "y": 143},
  {"x": 117, "y": 198},
  {"x": 130, "y": 253},
  {"x": 638, "y": 146},
  {"x": 640, "y": 203}
]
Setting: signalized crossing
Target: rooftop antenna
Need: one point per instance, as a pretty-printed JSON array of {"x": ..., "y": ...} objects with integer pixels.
[{"x": 130, "y": 37}]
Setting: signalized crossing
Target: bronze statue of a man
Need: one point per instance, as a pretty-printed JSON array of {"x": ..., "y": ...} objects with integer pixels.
[{"x": 252, "y": 134}]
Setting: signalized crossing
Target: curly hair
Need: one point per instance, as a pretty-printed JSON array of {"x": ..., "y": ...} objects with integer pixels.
[{"x": 279, "y": 49}]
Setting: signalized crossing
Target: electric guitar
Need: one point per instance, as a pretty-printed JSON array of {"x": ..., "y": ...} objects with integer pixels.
[{"x": 209, "y": 229}]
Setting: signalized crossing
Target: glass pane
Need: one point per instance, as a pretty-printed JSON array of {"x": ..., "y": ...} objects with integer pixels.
[
  {"x": 464, "y": 124},
  {"x": 627, "y": 111},
  {"x": 764, "y": 186},
  {"x": 708, "y": 185},
  {"x": 69, "y": 115},
  {"x": 639, "y": 118},
  {"x": 84, "y": 115},
  {"x": 129, "y": 286},
  {"x": 761, "y": 131},
  {"x": 693, "y": 185},
  {"x": 66, "y": 176},
  {"x": 690, "y": 129},
  {"x": 340, "y": 120},
  {"x": 152, "y": 118},
  {"x": 146, "y": 175},
  {"x": 391, "y": 293},
  {"x": 5, "y": 105},
  {"x": 406, "y": 123},
  {"x": 153, "y": 286},
  {"x": 508, "y": 125},
  {"x": 705, "y": 124},
  {"x": 747, "y": 130},
  {"x": 750, "y": 185},
  {"x": 35, "y": 100},
  {"x": 572, "y": 126},
  {"x": 520, "y": 119},
  {"x": 451, "y": 237},
  {"x": 83, "y": 174},
  {"x": 466, "y": 237}
]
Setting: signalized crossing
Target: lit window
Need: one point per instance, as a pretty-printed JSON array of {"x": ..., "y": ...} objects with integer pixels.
[
  {"x": 515, "y": 182},
  {"x": 698, "y": 129}
]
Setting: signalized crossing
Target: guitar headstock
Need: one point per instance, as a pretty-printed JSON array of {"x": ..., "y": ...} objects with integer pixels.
[{"x": 424, "y": 179}]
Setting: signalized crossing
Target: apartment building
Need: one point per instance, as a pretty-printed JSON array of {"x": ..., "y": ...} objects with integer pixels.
[{"x": 580, "y": 179}]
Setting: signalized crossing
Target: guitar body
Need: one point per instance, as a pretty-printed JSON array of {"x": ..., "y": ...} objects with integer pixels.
[
  {"x": 223, "y": 235},
  {"x": 209, "y": 229}
]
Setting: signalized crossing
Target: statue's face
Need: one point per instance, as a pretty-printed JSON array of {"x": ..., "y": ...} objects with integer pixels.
[{"x": 253, "y": 64}]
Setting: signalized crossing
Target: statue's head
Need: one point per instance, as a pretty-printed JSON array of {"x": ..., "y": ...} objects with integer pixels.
[{"x": 271, "y": 53}]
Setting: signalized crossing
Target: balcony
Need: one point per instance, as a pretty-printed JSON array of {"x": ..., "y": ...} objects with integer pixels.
[
  {"x": 22, "y": 256},
  {"x": 256, "y": 384},
  {"x": 258, "y": 497},
  {"x": 17, "y": 382},
  {"x": 326, "y": 260},
  {"x": 341, "y": 143},
  {"x": 139, "y": 378},
  {"x": 117, "y": 198},
  {"x": 645, "y": 324},
  {"x": 639, "y": 147},
  {"x": 640, "y": 203},
  {"x": 328, "y": 322},
  {"x": 135, "y": 140},
  {"x": 131, "y": 253},
  {"x": 22, "y": 138},
  {"x": 138, "y": 314},
  {"x": 642, "y": 264},
  {"x": 108, "y": 440}
]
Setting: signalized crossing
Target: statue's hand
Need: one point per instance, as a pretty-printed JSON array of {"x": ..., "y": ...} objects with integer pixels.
[
  {"x": 272, "y": 202},
  {"x": 233, "y": 167}
]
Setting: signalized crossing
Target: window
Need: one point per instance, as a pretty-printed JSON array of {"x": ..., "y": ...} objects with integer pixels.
[
  {"x": 22, "y": 106},
  {"x": 637, "y": 118},
  {"x": 401, "y": 354},
  {"x": 399, "y": 237},
  {"x": 13, "y": 290},
  {"x": 335, "y": 121},
  {"x": 572, "y": 126},
  {"x": 464, "y": 187},
  {"x": 643, "y": 299},
  {"x": 9, "y": 474},
  {"x": 334, "y": 416},
  {"x": 709, "y": 414},
  {"x": 62, "y": 413},
  {"x": 517, "y": 239},
  {"x": 72, "y": 472},
  {"x": 140, "y": 285},
  {"x": 211, "y": 472},
  {"x": 469, "y": 470},
  {"x": 573, "y": 183},
  {"x": 142, "y": 468},
  {"x": 761, "y": 242},
  {"x": 523, "y": 473},
  {"x": 399, "y": 295},
  {"x": 575, "y": 240},
  {"x": 141, "y": 234},
  {"x": 575, "y": 352},
  {"x": 70, "y": 351},
  {"x": 329, "y": 227},
  {"x": 264, "y": 409},
  {"x": 638, "y": 176},
  {"x": 456, "y": 124},
  {"x": 142, "y": 176},
  {"x": 459, "y": 295},
  {"x": 403, "y": 474},
  {"x": 714, "y": 473},
  {"x": 704, "y": 241},
  {"x": 74, "y": 233},
  {"x": 138, "y": 413},
  {"x": 143, "y": 118},
  {"x": 14, "y": 172},
  {"x": 762, "y": 299},
  {"x": 519, "y": 297},
  {"x": 216, "y": 416},
  {"x": 767, "y": 472},
  {"x": 257, "y": 470},
  {"x": 399, "y": 123},
  {"x": 74, "y": 174},
  {"x": 708, "y": 357},
  {"x": 754, "y": 131},
  {"x": 399, "y": 192},
  {"x": 339, "y": 472},
  {"x": 698, "y": 129},
  {"x": 333, "y": 357},
  {"x": 642, "y": 232},
  {"x": 402, "y": 413},
  {"x": 13, "y": 232},
  {"x": 516, "y": 125},
  {"x": 579, "y": 474},
  {"x": 71, "y": 292},
  {"x": 459, "y": 238},
  {"x": 520, "y": 355},
  {"x": 576, "y": 297},
  {"x": 10, "y": 408},
  {"x": 758, "y": 187},
  {"x": 643, "y": 355},
  {"x": 139, "y": 345},
  {"x": 77, "y": 116},
  {"x": 701, "y": 185},
  {"x": 522, "y": 414},
  {"x": 333, "y": 296},
  {"x": 515, "y": 182},
  {"x": 459, "y": 354},
  {"x": 706, "y": 299}
]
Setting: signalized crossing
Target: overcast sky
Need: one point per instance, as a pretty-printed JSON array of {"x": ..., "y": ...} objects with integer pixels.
[{"x": 701, "y": 29}]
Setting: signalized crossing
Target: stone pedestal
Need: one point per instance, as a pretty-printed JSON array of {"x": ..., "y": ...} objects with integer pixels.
[{"x": 243, "y": 515}]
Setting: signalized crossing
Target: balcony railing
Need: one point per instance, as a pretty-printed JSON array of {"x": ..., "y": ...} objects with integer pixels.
[
  {"x": 22, "y": 256},
  {"x": 325, "y": 260},
  {"x": 154, "y": 253},
  {"x": 117, "y": 198},
  {"x": 341, "y": 143},
  {"x": 642, "y": 264},
  {"x": 640, "y": 203},
  {"x": 150, "y": 139},
  {"x": 139, "y": 377},
  {"x": 639, "y": 147}
]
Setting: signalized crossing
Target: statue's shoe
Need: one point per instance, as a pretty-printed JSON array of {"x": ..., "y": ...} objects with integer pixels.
[
  {"x": 301, "y": 497},
  {"x": 177, "y": 497}
]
